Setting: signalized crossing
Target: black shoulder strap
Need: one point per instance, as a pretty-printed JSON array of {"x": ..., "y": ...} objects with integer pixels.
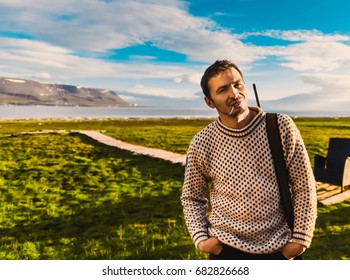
[{"x": 280, "y": 166}]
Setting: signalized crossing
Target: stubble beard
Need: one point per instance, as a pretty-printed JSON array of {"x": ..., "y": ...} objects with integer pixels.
[{"x": 235, "y": 112}]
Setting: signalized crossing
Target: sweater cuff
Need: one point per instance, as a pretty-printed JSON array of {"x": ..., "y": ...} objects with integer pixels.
[
  {"x": 301, "y": 238},
  {"x": 199, "y": 236}
]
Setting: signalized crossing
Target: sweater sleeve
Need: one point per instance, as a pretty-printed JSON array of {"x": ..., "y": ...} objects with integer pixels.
[
  {"x": 302, "y": 182},
  {"x": 193, "y": 198}
]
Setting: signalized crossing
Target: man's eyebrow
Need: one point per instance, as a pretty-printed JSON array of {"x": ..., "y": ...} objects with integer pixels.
[
  {"x": 227, "y": 85},
  {"x": 222, "y": 87}
]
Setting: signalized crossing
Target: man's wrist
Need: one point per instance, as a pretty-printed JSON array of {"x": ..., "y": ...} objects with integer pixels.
[{"x": 199, "y": 240}]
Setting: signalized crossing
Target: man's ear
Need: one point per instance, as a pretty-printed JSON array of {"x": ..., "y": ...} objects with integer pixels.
[{"x": 209, "y": 102}]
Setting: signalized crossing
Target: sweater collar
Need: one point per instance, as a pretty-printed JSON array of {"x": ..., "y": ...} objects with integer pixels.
[{"x": 245, "y": 130}]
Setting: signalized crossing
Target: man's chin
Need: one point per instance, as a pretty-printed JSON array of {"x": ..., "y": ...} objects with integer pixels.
[{"x": 235, "y": 112}]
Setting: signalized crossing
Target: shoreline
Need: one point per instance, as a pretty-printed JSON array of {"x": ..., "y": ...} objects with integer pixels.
[
  {"x": 67, "y": 119},
  {"x": 98, "y": 113},
  {"x": 155, "y": 118}
]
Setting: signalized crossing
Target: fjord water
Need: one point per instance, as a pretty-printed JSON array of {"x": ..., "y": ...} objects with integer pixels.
[
  {"x": 53, "y": 112},
  {"x": 33, "y": 112}
]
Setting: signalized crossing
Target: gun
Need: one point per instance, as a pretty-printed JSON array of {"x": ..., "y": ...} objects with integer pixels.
[{"x": 256, "y": 96}]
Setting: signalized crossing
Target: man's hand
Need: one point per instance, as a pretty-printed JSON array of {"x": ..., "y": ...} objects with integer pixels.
[
  {"x": 212, "y": 246},
  {"x": 292, "y": 249}
]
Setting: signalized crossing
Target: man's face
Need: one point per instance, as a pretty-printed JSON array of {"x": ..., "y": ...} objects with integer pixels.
[{"x": 228, "y": 94}]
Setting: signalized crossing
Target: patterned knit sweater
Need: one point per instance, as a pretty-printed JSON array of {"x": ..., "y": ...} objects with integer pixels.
[{"x": 234, "y": 167}]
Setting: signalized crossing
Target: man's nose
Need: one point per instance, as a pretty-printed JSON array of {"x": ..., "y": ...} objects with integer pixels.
[{"x": 233, "y": 91}]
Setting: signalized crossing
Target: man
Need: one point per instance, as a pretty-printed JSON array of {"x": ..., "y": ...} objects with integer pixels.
[{"x": 231, "y": 157}]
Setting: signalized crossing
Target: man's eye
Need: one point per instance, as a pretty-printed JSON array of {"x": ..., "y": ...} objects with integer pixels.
[{"x": 222, "y": 90}]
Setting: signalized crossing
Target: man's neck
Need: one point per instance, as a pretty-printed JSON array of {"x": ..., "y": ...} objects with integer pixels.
[{"x": 240, "y": 121}]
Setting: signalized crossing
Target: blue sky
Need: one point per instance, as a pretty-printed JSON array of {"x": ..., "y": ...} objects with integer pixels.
[{"x": 154, "y": 52}]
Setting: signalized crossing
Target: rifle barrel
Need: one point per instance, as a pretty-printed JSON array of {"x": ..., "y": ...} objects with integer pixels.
[{"x": 256, "y": 96}]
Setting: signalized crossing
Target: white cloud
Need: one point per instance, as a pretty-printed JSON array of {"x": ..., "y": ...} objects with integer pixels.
[
  {"x": 163, "y": 92},
  {"x": 23, "y": 57},
  {"x": 328, "y": 80},
  {"x": 311, "y": 50},
  {"x": 178, "y": 80},
  {"x": 189, "y": 78},
  {"x": 299, "y": 35},
  {"x": 330, "y": 94},
  {"x": 42, "y": 76},
  {"x": 97, "y": 26},
  {"x": 335, "y": 86},
  {"x": 316, "y": 56},
  {"x": 142, "y": 57},
  {"x": 207, "y": 46}
]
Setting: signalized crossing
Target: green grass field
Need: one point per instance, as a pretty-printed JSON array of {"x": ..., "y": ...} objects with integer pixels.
[{"x": 66, "y": 197}]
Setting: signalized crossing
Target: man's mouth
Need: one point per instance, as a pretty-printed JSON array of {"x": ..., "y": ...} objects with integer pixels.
[{"x": 235, "y": 104}]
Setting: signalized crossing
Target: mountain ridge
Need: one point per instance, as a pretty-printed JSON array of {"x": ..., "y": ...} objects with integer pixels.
[{"x": 15, "y": 91}]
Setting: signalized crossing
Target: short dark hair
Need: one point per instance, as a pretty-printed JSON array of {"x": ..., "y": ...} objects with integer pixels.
[{"x": 215, "y": 69}]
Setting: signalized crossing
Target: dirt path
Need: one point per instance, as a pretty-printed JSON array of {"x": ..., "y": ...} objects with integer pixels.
[{"x": 155, "y": 153}]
